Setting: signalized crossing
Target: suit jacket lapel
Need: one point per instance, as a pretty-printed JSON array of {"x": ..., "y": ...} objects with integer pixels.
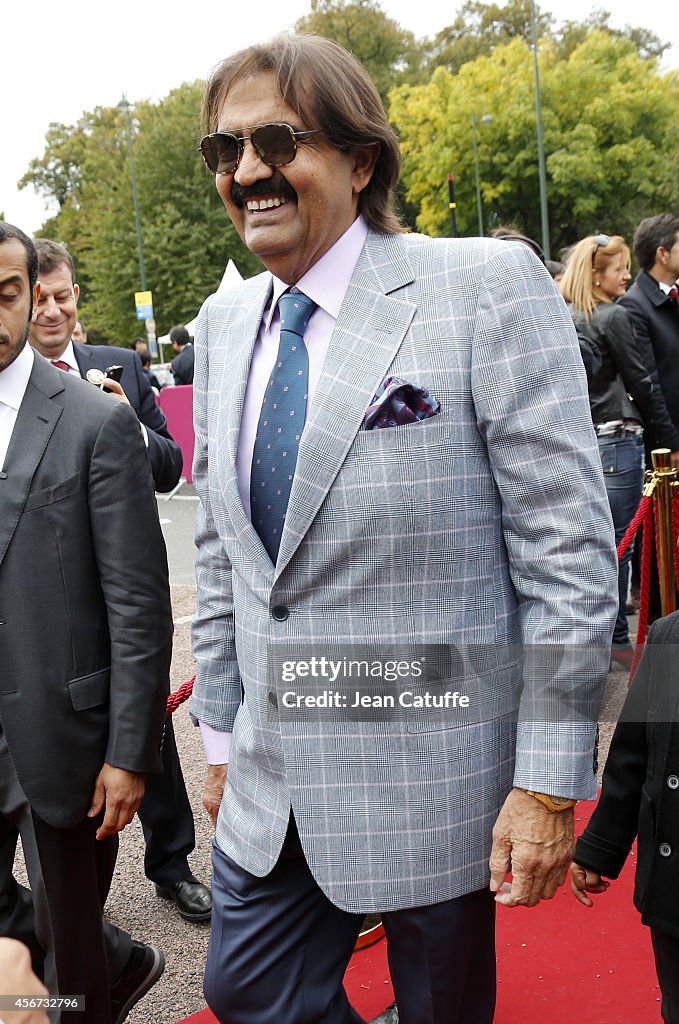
[
  {"x": 369, "y": 332},
  {"x": 83, "y": 357},
  {"x": 35, "y": 423}
]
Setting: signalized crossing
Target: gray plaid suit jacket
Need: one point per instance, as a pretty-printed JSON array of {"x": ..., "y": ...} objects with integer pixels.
[{"x": 487, "y": 524}]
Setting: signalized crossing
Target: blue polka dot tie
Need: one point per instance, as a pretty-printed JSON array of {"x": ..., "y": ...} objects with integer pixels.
[{"x": 280, "y": 423}]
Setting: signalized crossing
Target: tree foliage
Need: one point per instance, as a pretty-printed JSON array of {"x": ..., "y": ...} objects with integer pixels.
[
  {"x": 187, "y": 236},
  {"x": 609, "y": 136},
  {"x": 389, "y": 53}
]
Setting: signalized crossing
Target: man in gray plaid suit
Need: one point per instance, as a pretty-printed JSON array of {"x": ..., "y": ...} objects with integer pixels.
[{"x": 473, "y": 526}]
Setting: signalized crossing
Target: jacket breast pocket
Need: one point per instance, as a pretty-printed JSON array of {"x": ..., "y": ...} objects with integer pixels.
[
  {"x": 53, "y": 494},
  {"x": 90, "y": 691}
]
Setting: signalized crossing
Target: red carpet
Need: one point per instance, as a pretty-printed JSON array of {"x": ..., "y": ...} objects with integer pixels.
[{"x": 558, "y": 963}]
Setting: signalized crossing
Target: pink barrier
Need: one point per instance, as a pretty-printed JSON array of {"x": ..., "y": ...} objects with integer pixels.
[{"x": 177, "y": 404}]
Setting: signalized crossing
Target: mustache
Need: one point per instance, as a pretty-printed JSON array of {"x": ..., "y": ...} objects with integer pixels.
[{"x": 276, "y": 185}]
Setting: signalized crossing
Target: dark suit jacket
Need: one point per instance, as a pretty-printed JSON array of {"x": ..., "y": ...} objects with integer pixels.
[
  {"x": 85, "y": 623},
  {"x": 182, "y": 365},
  {"x": 640, "y": 792},
  {"x": 656, "y": 325},
  {"x": 164, "y": 453}
]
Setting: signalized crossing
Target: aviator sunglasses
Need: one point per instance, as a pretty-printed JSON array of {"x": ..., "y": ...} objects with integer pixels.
[{"x": 275, "y": 145}]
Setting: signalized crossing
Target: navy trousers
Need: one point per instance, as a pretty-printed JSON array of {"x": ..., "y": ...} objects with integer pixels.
[
  {"x": 279, "y": 949},
  {"x": 166, "y": 818}
]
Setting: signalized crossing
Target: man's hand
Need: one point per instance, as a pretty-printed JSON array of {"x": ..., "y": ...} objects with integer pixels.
[
  {"x": 583, "y": 881},
  {"x": 114, "y": 387},
  {"x": 120, "y": 793},
  {"x": 535, "y": 844},
  {"x": 17, "y": 978},
  {"x": 214, "y": 788}
]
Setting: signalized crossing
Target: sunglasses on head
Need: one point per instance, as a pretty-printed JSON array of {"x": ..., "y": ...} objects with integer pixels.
[
  {"x": 275, "y": 145},
  {"x": 600, "y": 241}
]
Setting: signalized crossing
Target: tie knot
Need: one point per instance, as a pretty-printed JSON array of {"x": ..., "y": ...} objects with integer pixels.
[
  {"x": 295, "y": 309},
  {"x": 61, "y": 364},
  {"x": 673, "y": 293}
]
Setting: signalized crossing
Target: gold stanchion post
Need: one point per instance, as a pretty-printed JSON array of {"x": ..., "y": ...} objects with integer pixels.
[{"x": 665, "y": 476}]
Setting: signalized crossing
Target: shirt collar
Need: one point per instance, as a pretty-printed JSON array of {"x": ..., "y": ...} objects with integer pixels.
[
  {"x": 14, "y": 380},
  {"x": 68, "y": 356},
  {"x": 328, "y": 280}
]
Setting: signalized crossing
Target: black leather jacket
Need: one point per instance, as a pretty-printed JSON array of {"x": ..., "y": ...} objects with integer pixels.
[{"x": 622, "y": 389}]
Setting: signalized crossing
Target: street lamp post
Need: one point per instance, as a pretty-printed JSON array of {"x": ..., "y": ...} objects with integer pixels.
[
  {"x": 486, "y": 119},
  {"x": 544, "y": 215},
  {"x": 124, "y": 105}
]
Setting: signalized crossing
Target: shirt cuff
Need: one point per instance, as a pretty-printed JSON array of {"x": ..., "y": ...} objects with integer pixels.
[
  {"x": 217, "y": 744},
  {"x": 144, "y": 434}
]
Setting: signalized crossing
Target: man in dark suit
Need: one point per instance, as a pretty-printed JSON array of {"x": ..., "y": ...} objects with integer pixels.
[
  {"x": 84, "y": 660},
  {"x": 652, "y": 304},
  {"x": 182, "y": 364},
  {"x": 165, "y": 812}
]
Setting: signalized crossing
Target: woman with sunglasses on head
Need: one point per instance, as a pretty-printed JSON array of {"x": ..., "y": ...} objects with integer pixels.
[{"x": 622, "y": 396}]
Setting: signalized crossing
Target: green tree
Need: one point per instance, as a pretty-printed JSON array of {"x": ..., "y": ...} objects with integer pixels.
[
  {"x": 608, "y": 120},
  {"x": 186, "y": 232},
  {"x": 478, "y": 28},
  {"x": 389, "y": 53}
]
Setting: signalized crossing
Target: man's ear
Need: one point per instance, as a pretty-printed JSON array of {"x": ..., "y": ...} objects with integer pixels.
[
  {"x": 365, "y": 159},
  {"x": 76, "y": 291}
]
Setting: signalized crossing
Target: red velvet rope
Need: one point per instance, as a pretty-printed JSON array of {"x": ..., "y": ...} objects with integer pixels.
[
  {"x": 675, "y": 530},
  {"x": 645, "y": 584},
  {"x": 631, "y": 531},
  {"x": 180, "y": 695}
]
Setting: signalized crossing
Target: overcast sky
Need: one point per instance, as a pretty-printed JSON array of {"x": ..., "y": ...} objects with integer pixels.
[{"x": 59, "y": 60}]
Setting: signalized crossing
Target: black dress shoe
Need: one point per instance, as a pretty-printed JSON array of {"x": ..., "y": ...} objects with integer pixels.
[
  {"x": 141, "y": 972},
  {"x": 193, "y": 899}
]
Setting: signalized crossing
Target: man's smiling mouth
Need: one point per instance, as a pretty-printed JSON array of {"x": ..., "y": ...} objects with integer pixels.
[{"x": 265, "y": 204}]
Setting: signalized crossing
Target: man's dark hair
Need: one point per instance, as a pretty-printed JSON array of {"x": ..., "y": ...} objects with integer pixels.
[
  {"x": 52, "y": 255},
  {"x": 145, "y": 356},
  {"x": 509, "y": 233},
  {"x": 328, "y": 88},
  {"x": 136, "y": 342},
  {"x": 180, "y": 335},
  {"x": 652, "y": 233},
  {"x": 8, "y": 231}
]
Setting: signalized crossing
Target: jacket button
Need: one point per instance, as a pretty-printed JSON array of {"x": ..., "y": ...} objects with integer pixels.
[
  {"x": 673, "y": 781},
  {"x": 665, "y": 850},
  {"x": 273, "y": 699},
  {"x": 280, "y": 612}
]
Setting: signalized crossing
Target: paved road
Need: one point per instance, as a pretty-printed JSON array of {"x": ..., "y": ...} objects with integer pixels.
[{"x": 178, "y": 518}]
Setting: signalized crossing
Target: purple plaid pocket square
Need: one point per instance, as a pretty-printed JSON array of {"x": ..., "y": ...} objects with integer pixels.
[{"x": 396, "y": 402}]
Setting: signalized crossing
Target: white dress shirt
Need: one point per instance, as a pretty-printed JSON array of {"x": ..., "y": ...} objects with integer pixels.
[
  {"x": 68, "y": 356},
  {"x": 326, "y": 283},
  {"x": 13, "y": 384}
]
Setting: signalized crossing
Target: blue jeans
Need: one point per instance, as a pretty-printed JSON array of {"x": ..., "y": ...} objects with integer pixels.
[{"x": 622, "y": 460}]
